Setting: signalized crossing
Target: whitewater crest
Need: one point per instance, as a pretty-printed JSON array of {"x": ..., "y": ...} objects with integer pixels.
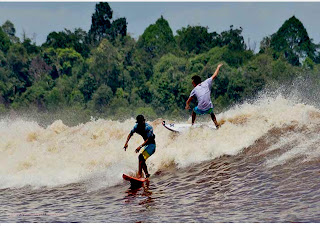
[{"x": 56, "y": 155}]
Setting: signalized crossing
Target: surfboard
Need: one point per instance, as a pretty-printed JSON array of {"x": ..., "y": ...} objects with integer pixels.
[
  {"x": 135, "y": 182},
  {"x": 181, "y": 127}
]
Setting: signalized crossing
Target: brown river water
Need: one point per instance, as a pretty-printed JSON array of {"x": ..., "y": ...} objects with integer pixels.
[{"x": 262, "y": 165}]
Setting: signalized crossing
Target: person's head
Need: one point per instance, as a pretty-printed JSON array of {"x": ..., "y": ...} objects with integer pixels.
[
  {"x": 140, "y": 120},
  {"x": 196, "y": 80}
]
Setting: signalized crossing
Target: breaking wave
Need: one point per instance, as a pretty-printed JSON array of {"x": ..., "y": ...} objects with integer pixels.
[{"x": 279, "y": 128}]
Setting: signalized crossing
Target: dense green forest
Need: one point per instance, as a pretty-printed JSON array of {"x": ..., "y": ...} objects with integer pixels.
[{"x": 105, "y": 72}]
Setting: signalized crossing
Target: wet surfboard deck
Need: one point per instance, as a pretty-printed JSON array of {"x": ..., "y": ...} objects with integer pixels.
[
  {"x": 181, "y": 127},
  {"x": 134, "y": 181}
]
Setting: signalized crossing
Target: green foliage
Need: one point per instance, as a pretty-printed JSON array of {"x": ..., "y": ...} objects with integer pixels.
[
  {"x": 18, "y": 60},
  {"x": 105, "y": 64},
  {"x": 292, "y": 41},
  {"x": 101, "y": 21},
  {"x": 4, "y": 41},
  {"x": 87, "y": 86},
  {"x": 3, "y": 109},
  {"x": 107, "y": 73},
  {"x": 308, "y": 64},
  {"x": 232, "y": 38},
  {"x": 54, "y": 99},
  {"x": 9, "y": 29},
  {"x": 102, "y": 25},
  {"x": 62, "y": 61},
  {"x": 148, "y": 112},
  {"x": 35, "y": 95},
  {"x": 157, "y": 39},
  {"x": 77, "y": 98},
  {"x": 170, "y": 83},
  {"x": 67, "y": 58},
  {"x": 102, "y": 97},
  {"x": 195, "y": 39},
  {"x": 118, "y": 28},
  {"x": 31, "y": 48},
  {"x": 68, "y": 39}
]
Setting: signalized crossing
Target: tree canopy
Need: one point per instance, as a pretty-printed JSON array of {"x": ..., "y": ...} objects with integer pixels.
[
  {"x": 105, "y": 71},
  {"x": 292, "y": 41}
]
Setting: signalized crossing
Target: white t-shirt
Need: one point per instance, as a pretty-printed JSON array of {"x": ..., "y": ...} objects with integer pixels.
[{"x": 203, "y": 92}]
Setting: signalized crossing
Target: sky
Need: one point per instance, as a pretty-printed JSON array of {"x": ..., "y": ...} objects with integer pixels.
[{"x": 258, "y": 19}]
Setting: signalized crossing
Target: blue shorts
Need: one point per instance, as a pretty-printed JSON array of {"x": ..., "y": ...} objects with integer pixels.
[
  {"x": 148, "y": 150},
  {"x": 201, "y": 112}
]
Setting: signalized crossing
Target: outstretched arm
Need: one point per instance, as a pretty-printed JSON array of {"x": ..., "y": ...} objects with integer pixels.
[
  {"x": 188, "y": 102},
  {"x": 126, "y": 144},
  {"x": 216, "y": 72}
]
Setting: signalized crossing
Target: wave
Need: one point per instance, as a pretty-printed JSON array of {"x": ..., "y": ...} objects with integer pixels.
[{"x": 92, "y": 153}]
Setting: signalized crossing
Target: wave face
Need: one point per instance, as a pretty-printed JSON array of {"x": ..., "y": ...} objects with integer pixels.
[{"x": 277, "y": 129}]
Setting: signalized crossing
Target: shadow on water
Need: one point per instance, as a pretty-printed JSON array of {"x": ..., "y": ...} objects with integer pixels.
[{"x": 136, "y": 191}]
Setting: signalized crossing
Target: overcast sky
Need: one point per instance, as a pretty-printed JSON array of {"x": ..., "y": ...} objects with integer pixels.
[{"x": 257, "y": 19}]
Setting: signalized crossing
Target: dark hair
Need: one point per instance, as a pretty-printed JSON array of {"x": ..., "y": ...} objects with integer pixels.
[
  {"x": 196, "y": 79},
  {"x": 140, "y": 118}
]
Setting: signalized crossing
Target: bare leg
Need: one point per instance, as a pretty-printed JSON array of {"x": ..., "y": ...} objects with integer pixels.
[
  {"x": 143, "y": 166},
  {"x": 140, "y": 165},
  {"x": 213, "y": 117},
  {"x": 194, "y": 115},
  {"x": 145, "y": 169}
]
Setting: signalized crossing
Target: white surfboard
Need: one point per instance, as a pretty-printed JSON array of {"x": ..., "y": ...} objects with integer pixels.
[{"x": 181, "y": 127}]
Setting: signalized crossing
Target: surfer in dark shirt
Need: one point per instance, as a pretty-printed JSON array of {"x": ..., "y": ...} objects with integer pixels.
[{"x": 149, "y": 145}]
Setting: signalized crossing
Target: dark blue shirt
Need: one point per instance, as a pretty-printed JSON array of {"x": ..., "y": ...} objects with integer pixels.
[{"x": 146, "y": 133}]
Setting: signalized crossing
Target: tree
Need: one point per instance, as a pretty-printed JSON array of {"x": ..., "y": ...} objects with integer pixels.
[
  {"x": 6, "y": 82},
  {"x": 195, "y": 39},
  {"x": 106, "y": 65},
  {"x": 18, "y": 64},
  {"x": 293, "y": 42},
  {"x": 118, "y": 28},
  {"x": 101, "y": 22},
  {"x": 87, "y": 85},
  {"x": 9, "y": 29},
  {"x": 31, "y": 48},
  {"x": 265, "y": 44},
  {"x": 38, "y": 68},
  {"x": 69, "y": 39},
  {"x": 76, "y": 98},
  {"x": 231, "y": 38},
  {"x": 102, "y": 97},
  {"x": 54, "y": 99},
  {"x": 67, "y": 59},
  {"x": 62, "y": 60},
  {"x": 170, "y": 83},
  {"x": 4, "y": 41},
  {"x": 157, "y": 39}
]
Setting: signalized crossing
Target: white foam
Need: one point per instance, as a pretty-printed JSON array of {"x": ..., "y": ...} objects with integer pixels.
[{"x": 93, "y": 152}]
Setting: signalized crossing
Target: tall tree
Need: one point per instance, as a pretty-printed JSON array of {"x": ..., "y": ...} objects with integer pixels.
[
  {"x": 9, "y": 29},
  {"x": 195, "y": 39},
  {"x": 101, "y": 21},
  {"x": 293, "y": 42},
  {"x": 157, "y": 39}
]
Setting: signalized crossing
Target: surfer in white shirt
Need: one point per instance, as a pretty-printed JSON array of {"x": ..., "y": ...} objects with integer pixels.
[{"x": 202, "y": 91}]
